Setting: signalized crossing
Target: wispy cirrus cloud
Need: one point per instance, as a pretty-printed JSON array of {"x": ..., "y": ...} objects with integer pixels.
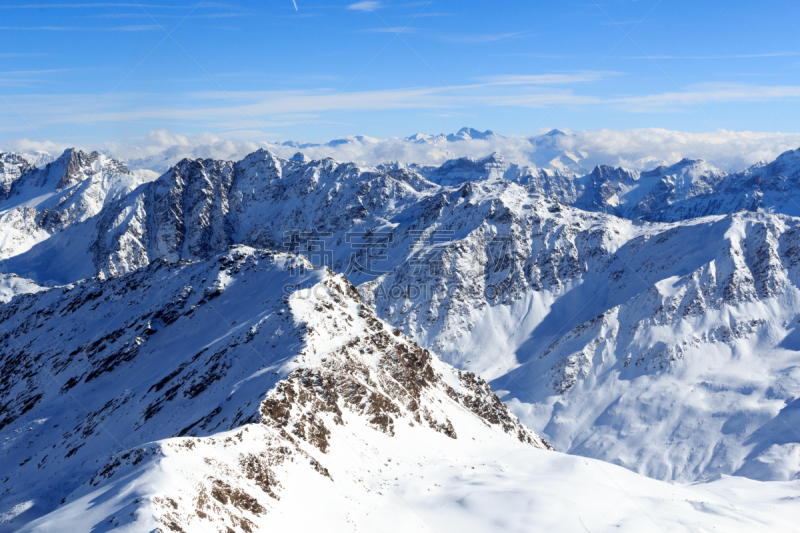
[
  {"x": 92, "y": 6},
  {"x": 724, "y": 56},
  {"x": 143, "y": 27},
  {"x": 398, "y": 29},
  {"x": 548, "y": 79},
  {"x": 31, "y": 78},
  {"x": 706, "y": 94},
  {"x": 365, "y": 6},
  {"x": 232, "y": 110},
  {"x": 483, "y": 38}
]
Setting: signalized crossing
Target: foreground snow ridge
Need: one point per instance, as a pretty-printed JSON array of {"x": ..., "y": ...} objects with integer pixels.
[{"x": 227, "y": 351}]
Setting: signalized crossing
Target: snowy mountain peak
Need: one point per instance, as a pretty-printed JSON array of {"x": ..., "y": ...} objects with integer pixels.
[
  {"x": 457, "y": 171},
  {"x": 262, "y": 156},
  {"x": 12, "y": 166},
  {"x": 699, "y": 164},
  {"x": 473, "y": 134},
  {"x": 787, "y": 164},
  {"x": 464, "y": 134},
  {"x": 554, "y": 150},
  {"x": 648, "y": 194},
  {"x": 300, "y": 157},
  {"x": 72, "y": 167},
  {"x": 494, "y": 159},
  {"x": 606, "y": 172},
  {"x": 72, "y": 189},
  {"x": 353, "y": 139}
]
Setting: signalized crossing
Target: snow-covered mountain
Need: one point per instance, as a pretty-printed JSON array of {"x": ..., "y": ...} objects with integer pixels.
[
  {"x": 226, "y": 373},
  {"x": 201, "y": 207},
  {"x": 647, "y": 195},
  {"x": 231, "y": 394},
  {"x": 771, "y": 187},
  {"x": 492, "y": 167},
  {"x": 464, "y": 134},
  {"x": 675, "y": 356},
  {"x": 688, "y": 189},
  {"x": 616, "y": 323},
  {"x": 691, "y": 189},
  {"x": 660, "y": 194},
  {"x": 42, "y": 202},
  {"x": 544, "y": 151},
  {"x": 12, "y": 166},
  {"x": 549, "y": 151},
  {"x": 706, "y": 308}
]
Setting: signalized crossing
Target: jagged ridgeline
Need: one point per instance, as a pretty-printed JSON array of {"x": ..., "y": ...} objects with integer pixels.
[{"x": 84, "y": 214}]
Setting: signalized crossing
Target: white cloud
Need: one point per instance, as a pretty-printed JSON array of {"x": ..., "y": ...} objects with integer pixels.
[
  {"x": 639, "y": 148},
  {"x": 160, "y": 148},
  {"x": 729, "y": 150},
  {"x": 707, "y": 93},
  {"x": 365, "y": 6},
  {"x": 561, "y": 78},
  {"x": 735, "y": 56}
]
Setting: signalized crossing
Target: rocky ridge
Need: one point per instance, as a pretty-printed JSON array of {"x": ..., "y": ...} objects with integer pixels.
[{"x": 233, "y": 363}]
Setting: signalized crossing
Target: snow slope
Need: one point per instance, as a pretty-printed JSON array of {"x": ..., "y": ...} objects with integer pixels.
[
  {"x": 96, "y": 376},
  {"x": 11, "y": 285},
  {"x": 233, "y": 395},
  {"x": 693, "y": 374}
]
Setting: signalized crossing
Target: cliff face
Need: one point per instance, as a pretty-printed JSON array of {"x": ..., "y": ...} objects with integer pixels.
[{"x": 12, "y": 166}]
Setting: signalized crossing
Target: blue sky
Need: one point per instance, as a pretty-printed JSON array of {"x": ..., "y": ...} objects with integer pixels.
[{"x": 82, "y": 72}]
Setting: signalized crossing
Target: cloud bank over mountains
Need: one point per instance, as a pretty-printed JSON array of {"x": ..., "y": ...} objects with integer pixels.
[{"x": 640, "y": 149}]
